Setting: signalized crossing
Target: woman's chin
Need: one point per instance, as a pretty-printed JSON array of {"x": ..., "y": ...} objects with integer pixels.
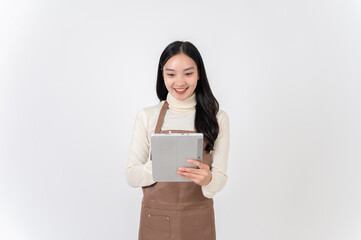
[{"x": 181, "y": 95}]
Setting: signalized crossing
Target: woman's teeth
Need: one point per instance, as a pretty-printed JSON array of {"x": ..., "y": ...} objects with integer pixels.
[{"x": 180, "y": 90}]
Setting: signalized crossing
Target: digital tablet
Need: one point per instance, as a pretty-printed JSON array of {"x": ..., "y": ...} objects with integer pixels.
[{"x": 171, "y": 151}]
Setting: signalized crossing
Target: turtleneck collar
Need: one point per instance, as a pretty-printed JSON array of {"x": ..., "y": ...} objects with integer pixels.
[{"x": 185, "y": 105}]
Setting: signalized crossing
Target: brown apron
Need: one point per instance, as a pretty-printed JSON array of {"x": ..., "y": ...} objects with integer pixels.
[{"x": 176, "y": 210}]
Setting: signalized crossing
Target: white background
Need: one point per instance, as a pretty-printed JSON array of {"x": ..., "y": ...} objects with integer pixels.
[{"x": 73, "y": 75}]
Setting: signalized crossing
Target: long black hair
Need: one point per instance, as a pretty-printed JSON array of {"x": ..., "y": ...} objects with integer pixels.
[{"x": 207, "y": 105}]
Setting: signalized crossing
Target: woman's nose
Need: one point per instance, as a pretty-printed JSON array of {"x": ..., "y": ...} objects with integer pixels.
[{"x": 180, "y": 79}]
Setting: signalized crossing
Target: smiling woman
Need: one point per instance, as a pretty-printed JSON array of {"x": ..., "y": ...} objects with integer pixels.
[{"x": 180, "y": 210}]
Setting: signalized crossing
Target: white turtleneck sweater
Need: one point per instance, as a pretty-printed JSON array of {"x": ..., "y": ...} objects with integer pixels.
[{"x": 180, "y": 116}]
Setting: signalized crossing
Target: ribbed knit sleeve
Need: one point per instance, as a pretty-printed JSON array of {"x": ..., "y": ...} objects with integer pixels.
[{"x": 139, "y": 168}]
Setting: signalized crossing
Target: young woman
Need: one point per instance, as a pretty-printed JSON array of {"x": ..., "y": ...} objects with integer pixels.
[{"x": 180, "y": 210}]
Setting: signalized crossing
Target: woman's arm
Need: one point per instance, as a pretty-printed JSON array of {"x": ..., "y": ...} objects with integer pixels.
[
  {"x": 139, "y": 169},
  {"x": 220, "y": 158}
]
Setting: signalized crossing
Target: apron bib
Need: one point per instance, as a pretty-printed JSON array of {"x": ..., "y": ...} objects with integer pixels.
[{"x": 176, "y": 210}]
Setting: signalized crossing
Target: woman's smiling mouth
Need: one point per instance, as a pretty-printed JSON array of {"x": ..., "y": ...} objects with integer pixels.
[{"x": 180, "y": 90}]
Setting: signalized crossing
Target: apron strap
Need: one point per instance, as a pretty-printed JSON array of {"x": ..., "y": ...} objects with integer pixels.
[{"x": 161, "y": 117}]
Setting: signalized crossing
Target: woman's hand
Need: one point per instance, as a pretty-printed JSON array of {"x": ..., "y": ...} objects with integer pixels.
[{"x": 201, "y": 176}]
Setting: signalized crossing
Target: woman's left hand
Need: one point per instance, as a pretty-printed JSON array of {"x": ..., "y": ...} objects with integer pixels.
[{"x": 201, "y": 176}]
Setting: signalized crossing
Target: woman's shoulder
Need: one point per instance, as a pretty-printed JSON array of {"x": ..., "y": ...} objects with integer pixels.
[
  {"x": 222, "y": 116},
  {"x": 149, "y": 111}
]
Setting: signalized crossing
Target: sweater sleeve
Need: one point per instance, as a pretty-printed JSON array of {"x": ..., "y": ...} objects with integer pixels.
[
  {"x": 139, "y": 168},
  {"x": 219, "y": 157}
]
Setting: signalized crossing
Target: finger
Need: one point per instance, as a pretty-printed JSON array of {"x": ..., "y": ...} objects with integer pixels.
[
  {"x": 189, "y": 175},
  {"x": 195, "y": 180},
  {"x": 198, "y": 164},
  {"x": 188, "y": 169}
]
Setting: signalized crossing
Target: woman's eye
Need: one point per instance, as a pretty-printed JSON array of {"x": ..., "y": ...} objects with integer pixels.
[
  {"x": 171, "y": 75},
  {"x": 188, "y": 74}
]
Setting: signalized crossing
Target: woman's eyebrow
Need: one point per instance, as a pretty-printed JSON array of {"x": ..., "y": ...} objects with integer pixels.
[{"x": 168, "y": 69}]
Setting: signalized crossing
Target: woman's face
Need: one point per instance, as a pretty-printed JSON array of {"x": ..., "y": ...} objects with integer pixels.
[{"x": 180, "y": 75}]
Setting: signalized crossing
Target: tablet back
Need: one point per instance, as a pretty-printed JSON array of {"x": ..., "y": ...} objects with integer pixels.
[{"x": 171, "y": 151}]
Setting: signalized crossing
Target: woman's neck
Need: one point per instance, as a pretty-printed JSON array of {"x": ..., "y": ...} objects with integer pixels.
[{"x": 182, "y": 105}]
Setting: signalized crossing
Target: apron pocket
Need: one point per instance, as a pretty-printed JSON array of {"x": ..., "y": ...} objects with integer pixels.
[
  {"x": 198, "y": 224},
  {"x": 155, "y": 225}
]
